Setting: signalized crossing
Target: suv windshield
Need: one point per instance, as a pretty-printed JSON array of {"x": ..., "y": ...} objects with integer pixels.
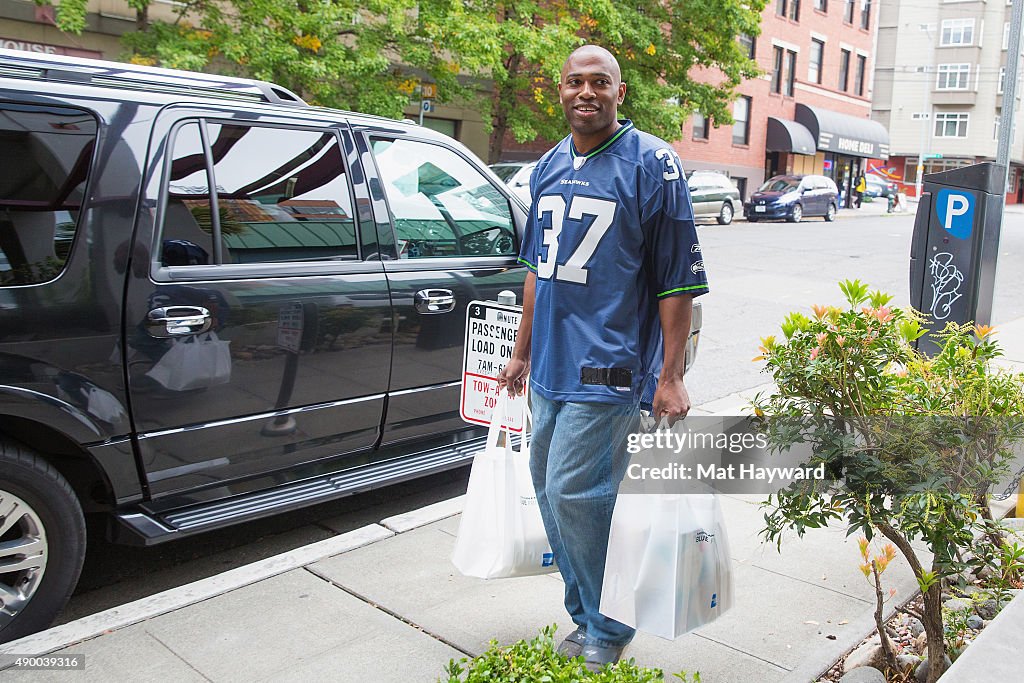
[{"x": 780, "y": 185}]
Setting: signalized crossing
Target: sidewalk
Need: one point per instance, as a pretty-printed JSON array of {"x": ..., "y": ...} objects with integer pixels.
[{"x": 383, "y": 603}]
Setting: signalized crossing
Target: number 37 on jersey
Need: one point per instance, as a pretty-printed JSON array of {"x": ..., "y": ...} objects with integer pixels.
[{"x": 602, "y": 211}]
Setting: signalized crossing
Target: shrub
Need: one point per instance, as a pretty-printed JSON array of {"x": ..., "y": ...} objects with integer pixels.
[
  {"x": 537, "y": 662},
  {"x": 918, "y": 442}
]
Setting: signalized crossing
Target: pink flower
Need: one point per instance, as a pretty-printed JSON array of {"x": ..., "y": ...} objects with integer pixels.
[
  {"x": 815, "y": 352},
  {"x": 884, "y": 314},
  {"x": 840, "y": 340},
  {"x": 821, "y": 337}
]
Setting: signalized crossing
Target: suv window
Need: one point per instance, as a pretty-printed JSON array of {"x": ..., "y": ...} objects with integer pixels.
[
  {"x": 440, "y": 204},
  {"x": 282, "y": 195},
  {"x": 47, "y": 153}
]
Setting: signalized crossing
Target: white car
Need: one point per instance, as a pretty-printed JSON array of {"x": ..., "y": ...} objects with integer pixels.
[{"x": 516, "y": 174}]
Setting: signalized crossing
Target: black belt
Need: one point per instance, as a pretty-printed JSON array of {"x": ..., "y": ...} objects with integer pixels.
[{"x": 610, "y": 377}]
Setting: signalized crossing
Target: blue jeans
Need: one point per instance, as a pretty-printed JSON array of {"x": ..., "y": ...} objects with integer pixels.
[{"x": 577, "y": 458}]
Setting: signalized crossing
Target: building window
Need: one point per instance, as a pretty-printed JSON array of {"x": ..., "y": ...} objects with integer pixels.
[
  {"x": 951, "y": 124},
  {"x": 814, "y": 65},
  {"x": 749, "y": 43},
  {"x": 780, "y": 7},
  {"x": 1002, "y": 79},
  {"x": 858, "y": 76},
  {"x": 1006, "y": 35},
  {"x": 844, "y": 69},
  {"x": 791, "y": 73},
  {"x": 848, "y": 11},
  {"x": 957, "y": 32},
  {"x": 865, "y": 14},
  {"x": 741, "y": 116},
  {"x": 995, "y": 129},
  {"x": 794, "y": 10},
  {"x": 777, "y": 69},
  {"x": 953, "y": 77},
  {"x": 700, "y": 126},
  {"x": 821, "y": 5}
]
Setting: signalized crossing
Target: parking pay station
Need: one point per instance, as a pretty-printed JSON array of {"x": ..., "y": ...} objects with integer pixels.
[{"x": 954, "y": 247}]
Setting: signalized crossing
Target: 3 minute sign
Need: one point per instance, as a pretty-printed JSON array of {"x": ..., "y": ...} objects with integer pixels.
[{"x": 490, "y": 336}]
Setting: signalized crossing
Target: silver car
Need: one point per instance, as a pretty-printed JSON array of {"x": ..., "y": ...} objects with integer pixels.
[
  {"x": 516, "y": 174},
  {"x": 713, "y": 195}
]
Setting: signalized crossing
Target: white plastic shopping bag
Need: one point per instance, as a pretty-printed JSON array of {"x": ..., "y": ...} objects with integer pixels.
[
  {"x": 668, "y": 570},
  {"x": 194, "y": 363},
  {"x": 501, "y": 534}
]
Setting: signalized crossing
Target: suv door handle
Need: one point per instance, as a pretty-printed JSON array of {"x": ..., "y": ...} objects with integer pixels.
[
  {"x": 178, "y": 321},
  {"x": 432, "y": 301}
]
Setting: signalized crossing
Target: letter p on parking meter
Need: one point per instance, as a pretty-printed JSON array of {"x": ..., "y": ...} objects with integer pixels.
[{"x": 956, "y": 212}]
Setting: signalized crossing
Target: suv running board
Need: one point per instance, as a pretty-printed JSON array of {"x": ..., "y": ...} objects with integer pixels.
[{"x": 146, "y": 528}]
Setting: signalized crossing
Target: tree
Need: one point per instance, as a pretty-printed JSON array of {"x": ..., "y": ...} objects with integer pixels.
[
  {"x": 503, "y": 56},
  {"x": 340, "y": 53},
  {"x": 662, "y": 47}
]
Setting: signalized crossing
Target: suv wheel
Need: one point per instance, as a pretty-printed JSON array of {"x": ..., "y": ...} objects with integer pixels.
[
  {"x": 830, "y": 215},
  {"x": 725, "y": 215},
  {"x": 42, "y": 542},
  {"x": 796, "y": 214}
]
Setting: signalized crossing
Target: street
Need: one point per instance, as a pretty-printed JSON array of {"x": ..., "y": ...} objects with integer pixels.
[{"x": 758, "y": 273}]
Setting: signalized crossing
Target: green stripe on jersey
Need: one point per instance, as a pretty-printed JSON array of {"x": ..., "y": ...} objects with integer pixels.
[{"x": 682, "y": 289}]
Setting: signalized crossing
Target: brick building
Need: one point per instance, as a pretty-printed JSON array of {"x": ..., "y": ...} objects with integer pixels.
[{"x": 810, "y": 112}]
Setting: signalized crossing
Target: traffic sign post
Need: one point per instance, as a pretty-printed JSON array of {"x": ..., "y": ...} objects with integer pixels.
[{"x": 491, "y": 330}]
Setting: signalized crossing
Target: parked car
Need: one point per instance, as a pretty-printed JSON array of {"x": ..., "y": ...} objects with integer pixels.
[
  {"x": 877, "y": 186},
  {"x": 713, "y": 195},
  {"x": 175, "y": 360},
  {"x": 791, "y": 197},
  {"x": 516, "y": 174}
]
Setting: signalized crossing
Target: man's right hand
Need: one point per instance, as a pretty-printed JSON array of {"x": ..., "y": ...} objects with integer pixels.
[{"x": 513, "y": 376}]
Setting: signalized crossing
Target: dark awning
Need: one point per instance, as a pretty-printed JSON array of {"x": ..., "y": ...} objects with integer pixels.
[
  {"x": 789, "y": 136},
  {"x": 845, "y": 134}
]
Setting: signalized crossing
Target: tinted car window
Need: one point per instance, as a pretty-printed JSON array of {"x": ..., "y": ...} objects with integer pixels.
[
  {"x": 282, "y": 195},
  {"x": 780, "y": 185},
  {"x": 47, "y": 153},
  {"x": 440, "y": 204}
]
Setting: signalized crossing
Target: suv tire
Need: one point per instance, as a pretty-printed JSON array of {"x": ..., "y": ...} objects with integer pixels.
[
  {"x": 725, "y": 215},
  {"x": 796, "y": 214},
  {"x": 39, "y": 508},
  {"x": 830, "y": 214}
]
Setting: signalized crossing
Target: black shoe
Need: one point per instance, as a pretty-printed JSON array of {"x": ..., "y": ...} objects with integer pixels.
[
  {"x": 572, "y": 646},
  {"x": 595, "y": 657}
]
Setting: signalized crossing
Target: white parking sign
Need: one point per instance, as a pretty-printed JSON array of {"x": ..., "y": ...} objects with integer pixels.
[{"x": 490, "y": 337}]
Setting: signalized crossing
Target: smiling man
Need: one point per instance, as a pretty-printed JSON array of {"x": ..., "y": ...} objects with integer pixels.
[{"x": 614, "y": 264}]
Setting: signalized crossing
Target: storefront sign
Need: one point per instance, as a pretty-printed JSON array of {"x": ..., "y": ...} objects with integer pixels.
[{"x": 45, "y": 49}]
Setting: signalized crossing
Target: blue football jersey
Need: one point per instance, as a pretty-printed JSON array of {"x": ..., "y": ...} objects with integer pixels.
[{"x": 610, "y": 234}]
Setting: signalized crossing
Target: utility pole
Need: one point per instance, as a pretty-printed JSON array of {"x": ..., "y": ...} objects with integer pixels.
[
  {"x": 1006, "y": 116},
  {"x": 927, "y": 113}
]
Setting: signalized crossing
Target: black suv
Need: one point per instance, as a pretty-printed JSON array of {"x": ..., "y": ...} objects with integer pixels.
[{"x": 218, "y": 303}]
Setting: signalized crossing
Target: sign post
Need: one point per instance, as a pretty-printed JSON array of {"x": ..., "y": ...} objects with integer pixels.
[
  {"x": 491, "y": 330},
  {"x": 428, "y": 91}
]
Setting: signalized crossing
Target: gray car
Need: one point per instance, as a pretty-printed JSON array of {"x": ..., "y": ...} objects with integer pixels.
[{"x": 713, "y": 195}]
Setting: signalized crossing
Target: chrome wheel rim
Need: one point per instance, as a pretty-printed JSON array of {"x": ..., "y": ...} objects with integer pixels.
[
  {"x": 23, "y": 555},
  {"x": 798, "y": 213},
  {"x": 726, "y": 213},
  {"x": 831, "y": 212}
]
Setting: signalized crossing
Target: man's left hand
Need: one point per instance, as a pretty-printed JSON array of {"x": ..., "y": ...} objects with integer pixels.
[{"x": 671, "y": 400}]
